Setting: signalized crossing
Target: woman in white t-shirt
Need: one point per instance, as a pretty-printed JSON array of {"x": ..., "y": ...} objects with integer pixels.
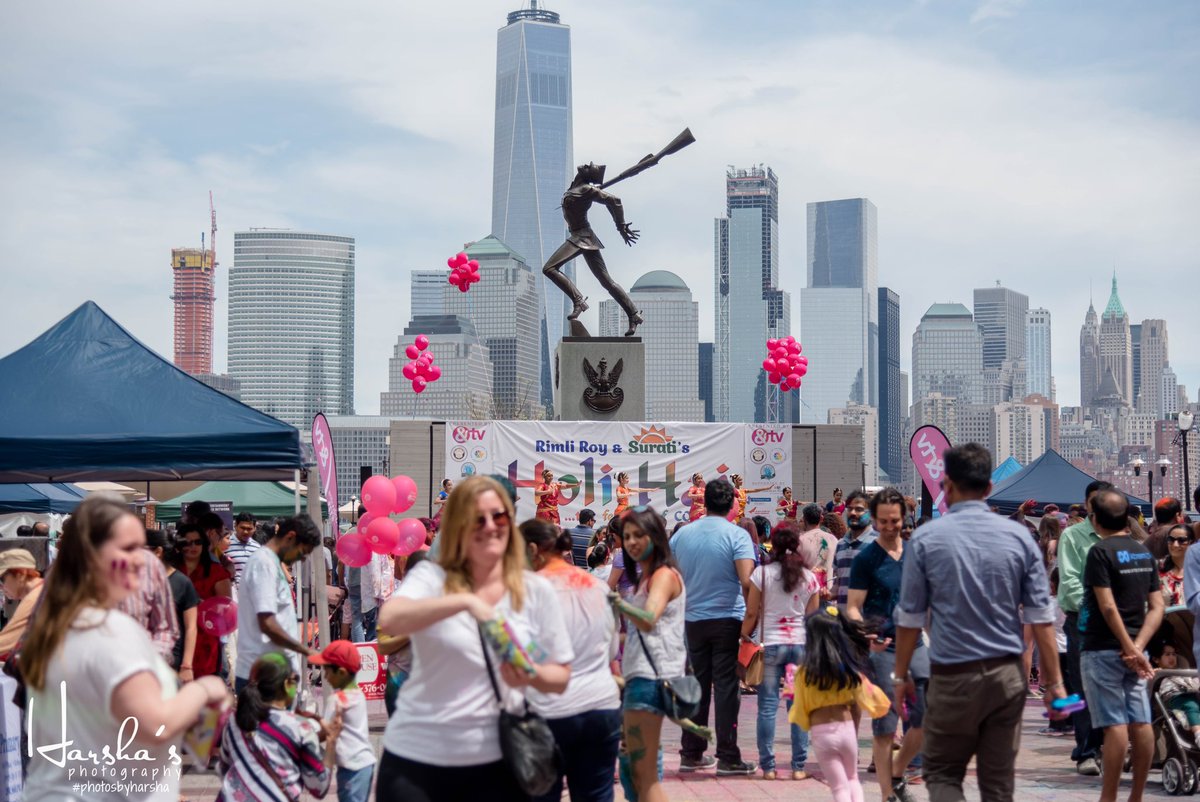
[
  {"x": 782, "y": 593},
  {"x": 443, "y": 741},
  {"x": 586, "y": 719},
  {"x": 100, "y": 697}
]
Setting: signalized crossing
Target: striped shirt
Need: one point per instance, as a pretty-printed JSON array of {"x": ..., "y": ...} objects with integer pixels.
[
  {"x": 847, "y": 550},
  {"x": 286, "y": 746},
  {"x": 239, "y": 552}
]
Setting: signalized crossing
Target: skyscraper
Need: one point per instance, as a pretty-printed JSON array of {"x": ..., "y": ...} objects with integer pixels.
[
  {"x": 750, "y": 307},
  {"x": 1116, "y": 350},
  {"x": 1037, "y": 352},
  {"x": 704, "y": 377},
  {"x": 464, "y": 390},
  {"x": 1000, "y": 313},
  {"x": 503, "y": 308},
  {"x": 671, "y": 333},
  {"x": 1089, "y": 357},
  {"x": 1135, "y": 353},
  {"x": 427, "y": 291},
  {"x": 193, "y": 297},
  {"x": 891, "y": 406},
  {"x": 291, "y": 323},
  {"x": 947, "y": 356},
  {"x": 531, "y": 165},
  {"x": 839, "y": 309},
  {"x": 1154, "y": 360}
]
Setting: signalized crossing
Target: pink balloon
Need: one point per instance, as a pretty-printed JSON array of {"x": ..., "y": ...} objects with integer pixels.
[
  {"x": 412, "y": 352},
  {"x": 780, "y": 353},
  {"x": 433, "y": 374},
  {"x": 455, "y": 279},
  {"x": 772, "y": 345},
  {"x": 421, "y": 342},
  {"x": 217, "y": 615},
  {"x": 378, "y": 495},
  {"x": 364, "y": 521},
  {"x": 406, "y": 493},
  {"x": 419, "y": 385},
  {"x": 452, "y": 262},
  {"x": 462, "y": 259},
  {"x": 793, "y": 348},
  {"x": 789, "y": 339},
  {"x": 473, "y": 266},
  {"x": 426, "y": 358},
  {"x": 412, "y": 537},
  {"x": 409, "y": 371},
  {"x": 382, "y": 535},
  {"x": 466, "y": 285},
  {"x": 353, "y": 550},
  {"x": 802, "y": 370},
  {"x": 769, "y": 365},
  {"x": 774, "y": 378},
  {"x": 794, "y": 379}
]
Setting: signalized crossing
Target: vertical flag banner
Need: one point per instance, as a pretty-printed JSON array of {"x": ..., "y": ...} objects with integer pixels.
[
  {"x": 660, "y": 459},
  {"x": 926, "y": 448},
  {"x": 322, "y": 442}
]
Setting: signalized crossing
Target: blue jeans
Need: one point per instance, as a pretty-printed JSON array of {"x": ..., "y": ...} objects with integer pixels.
[
  {"x": 354, "y": 785},
  {"x": 362, "y": 625},
  {"x": 1088, "y": 740},
  {"x": 588, "y": 743},
  {"x": 775, "y": 662}
]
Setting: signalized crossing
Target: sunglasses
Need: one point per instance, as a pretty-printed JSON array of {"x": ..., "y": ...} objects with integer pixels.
[
  {"x": 498, "y": 518},
  {"x": 1181, "y": 540},
  {"x": 187, "y": 543}
]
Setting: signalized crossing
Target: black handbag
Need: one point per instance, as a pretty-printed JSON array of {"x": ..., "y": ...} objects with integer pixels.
[
  {"x": 526, "y": 742},
  {"x": 682, "y": 693}
]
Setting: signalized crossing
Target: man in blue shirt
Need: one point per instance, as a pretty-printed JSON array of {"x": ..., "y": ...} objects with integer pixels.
[
  {"x": 716, "y": 559},
  {"x": 969, "y": 573},
  {"x": 581, "y": 537}
]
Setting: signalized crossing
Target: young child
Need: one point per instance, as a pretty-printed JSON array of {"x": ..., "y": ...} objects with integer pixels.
[
  {"x": 355, "y": 756},
  {"x": 828, "y": 685},
  {"x": 1180, "y": 693}
]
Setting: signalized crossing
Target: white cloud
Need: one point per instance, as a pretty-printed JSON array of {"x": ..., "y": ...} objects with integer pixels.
[
  {"x": 980, "y": 171},
  {"x": 996, "y": 9}
]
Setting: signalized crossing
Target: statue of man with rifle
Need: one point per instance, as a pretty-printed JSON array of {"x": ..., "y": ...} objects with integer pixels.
[{"x": 588, "y": 188}]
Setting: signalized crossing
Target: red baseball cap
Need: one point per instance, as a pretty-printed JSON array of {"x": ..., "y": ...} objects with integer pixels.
[{"x": 339, "y": 653}]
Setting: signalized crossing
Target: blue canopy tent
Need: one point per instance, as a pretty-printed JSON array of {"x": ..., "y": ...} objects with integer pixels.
[
  {"x": 1049, "y": 479},
  {"x": 1005, "y": 469},
  {"x": 40, "y": 498},
  {"x": 86, "y": 401}
]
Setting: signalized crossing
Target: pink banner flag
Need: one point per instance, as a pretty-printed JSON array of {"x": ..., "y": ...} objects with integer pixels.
[
  {"x": 322, "y": 442},
  {"x": 926, "y": 448}
]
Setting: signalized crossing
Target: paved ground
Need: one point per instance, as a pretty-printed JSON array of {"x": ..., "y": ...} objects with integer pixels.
[{"x": 1044, "y": 770}]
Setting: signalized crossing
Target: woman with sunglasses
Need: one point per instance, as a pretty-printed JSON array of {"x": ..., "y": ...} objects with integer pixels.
[
  {"x": 210, "y": 579},
  {"x": 547, "y": 495},
  {"x": 443, "y": 742},
  {"x": 1179, "y": 537},
  {"x": 267, "y": 751}
]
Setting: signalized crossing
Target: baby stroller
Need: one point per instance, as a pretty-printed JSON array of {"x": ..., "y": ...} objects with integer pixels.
[{"x": 1175, "y": 750}]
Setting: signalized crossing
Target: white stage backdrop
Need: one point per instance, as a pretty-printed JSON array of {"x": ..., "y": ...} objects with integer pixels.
[{"x": 659, "y": 457}]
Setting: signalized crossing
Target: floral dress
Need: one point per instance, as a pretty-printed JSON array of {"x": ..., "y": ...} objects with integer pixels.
[{"x": 1172, "y": 588}]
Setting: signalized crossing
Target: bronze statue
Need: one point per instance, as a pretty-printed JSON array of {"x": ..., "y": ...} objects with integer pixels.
[{"x": 588, "y": 188}]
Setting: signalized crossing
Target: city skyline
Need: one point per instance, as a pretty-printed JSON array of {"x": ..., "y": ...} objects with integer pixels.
[{"x": 1019, "y": 184}]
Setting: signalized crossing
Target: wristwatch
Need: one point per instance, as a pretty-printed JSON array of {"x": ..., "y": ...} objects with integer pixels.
[{"x": 895, "y": 679}]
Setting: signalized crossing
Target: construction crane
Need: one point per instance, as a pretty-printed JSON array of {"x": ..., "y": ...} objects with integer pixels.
[{"x": 212, "y": 237}]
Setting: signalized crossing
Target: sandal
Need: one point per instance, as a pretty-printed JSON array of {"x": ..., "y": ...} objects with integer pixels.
[
  {"x": 800, "y": 775},
  {"x": 768, "y": 774}
]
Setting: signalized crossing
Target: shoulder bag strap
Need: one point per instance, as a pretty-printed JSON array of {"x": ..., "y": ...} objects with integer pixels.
[
  {"x": 762, "y": 606},
  {"x": 248, "y": 739},
  {"x": 645, "y": 651},
  {"x": 488, "y": 662}
]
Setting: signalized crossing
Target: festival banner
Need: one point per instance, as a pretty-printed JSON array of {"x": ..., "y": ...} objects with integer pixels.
[
  {"x": 660, "y": 459},
  {"x": 926, "y": 448},
  {"x": 322, "y": 441}
]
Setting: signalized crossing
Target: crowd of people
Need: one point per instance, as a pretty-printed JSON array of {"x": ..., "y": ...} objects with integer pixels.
[{"x": 527, "y": 659}]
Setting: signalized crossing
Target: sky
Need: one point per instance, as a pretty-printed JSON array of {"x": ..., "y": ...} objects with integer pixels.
[{"x": 1039, "y": 144}]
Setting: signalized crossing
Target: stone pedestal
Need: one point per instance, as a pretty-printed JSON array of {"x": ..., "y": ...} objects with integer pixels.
[{"x": 587, "y": 391}]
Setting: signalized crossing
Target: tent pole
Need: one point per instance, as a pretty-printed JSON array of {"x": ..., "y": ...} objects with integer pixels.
[{"x": 316, "y": 561}]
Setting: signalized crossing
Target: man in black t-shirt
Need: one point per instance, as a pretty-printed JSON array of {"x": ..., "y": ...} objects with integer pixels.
[{"x": 1122, "y": 608}]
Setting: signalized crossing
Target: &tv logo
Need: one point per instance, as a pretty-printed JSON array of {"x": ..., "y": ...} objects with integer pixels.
[
  {"x": 465, "y": 434},
  {"x": 762, "y": 437}
]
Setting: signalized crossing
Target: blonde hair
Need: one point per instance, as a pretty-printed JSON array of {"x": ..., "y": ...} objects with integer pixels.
[
  {"x": 458, "y": 522},
  {"x": 75, "y": 580}
]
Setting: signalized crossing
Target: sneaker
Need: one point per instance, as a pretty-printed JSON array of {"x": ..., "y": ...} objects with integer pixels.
[
  {"x": 871, "y": 768},
  {"x": 900, "y": 790},
  {"x": 1053, "y": 732},
  {"x": 1088, "y": 767},
  {"x": 705, "y": 762},
  {"x": 735, "y": 769}
]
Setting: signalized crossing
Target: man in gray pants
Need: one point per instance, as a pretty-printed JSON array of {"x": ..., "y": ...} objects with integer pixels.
[{"x": 968, "y": 573}]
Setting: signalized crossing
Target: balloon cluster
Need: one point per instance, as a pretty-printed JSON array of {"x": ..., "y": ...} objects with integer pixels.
[
  {"x": 420, "y": 371},
  {"x": 785, "y": 365},
  {"x": 464, "y": 271},
  {"x": 377, "y": 533}
]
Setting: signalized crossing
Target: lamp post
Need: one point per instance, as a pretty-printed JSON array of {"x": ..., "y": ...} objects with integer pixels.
[
  {"x": 1185, "y": 426},
  {"x": 1137, "y": 465},
  {"x": 1163, "y": 464},
  {"x": 354, "y": 509}
]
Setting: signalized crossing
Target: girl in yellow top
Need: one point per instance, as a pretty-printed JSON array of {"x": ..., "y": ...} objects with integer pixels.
[
  {"x": 740, "y": 495},
  {"x": 829, "y": 686}
]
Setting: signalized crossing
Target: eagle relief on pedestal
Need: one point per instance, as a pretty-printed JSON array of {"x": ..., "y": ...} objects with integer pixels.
[{"x": 604, "y": 395}]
